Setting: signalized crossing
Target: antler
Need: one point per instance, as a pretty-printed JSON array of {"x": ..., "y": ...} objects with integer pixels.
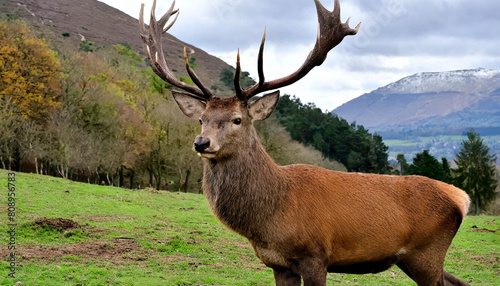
[
  {"x": 331, "y": 31},
  {"x": 152, "y": 41}
]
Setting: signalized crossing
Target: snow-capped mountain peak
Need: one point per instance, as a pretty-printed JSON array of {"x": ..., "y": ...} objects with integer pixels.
[
  {"x": 478, "y": 80},
  {"x": 473, "y": 95}
]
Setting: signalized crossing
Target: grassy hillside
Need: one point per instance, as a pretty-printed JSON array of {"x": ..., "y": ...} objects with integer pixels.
[{"x": 71, "y": 233}]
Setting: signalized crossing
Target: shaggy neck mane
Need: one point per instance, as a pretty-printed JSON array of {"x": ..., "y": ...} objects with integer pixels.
[{"x": 245, "y": 189}]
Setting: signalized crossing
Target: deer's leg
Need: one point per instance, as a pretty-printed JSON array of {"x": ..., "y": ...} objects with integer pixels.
[
  {"x": 423, "y": 275},
  {"x": 425, "y": 266},
  {"x": 450, "y": 280},
  {"x": 286, "y": 277},
  {"x": 313, "y": 272}
]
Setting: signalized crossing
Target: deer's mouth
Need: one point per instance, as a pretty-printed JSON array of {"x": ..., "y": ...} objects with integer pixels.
[{"x": 207, "y": 155}]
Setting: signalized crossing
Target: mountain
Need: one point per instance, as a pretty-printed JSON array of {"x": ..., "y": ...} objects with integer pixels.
[
  {"x": 456, "y": 99},
  {"x": 431, "y": 111},
  {"x": 95, "y": 21}
]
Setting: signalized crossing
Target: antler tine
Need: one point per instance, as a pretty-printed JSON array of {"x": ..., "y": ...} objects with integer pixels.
[
  {"x": 163, "y": 20},
  {"x": 331, "y": 31},
  {"x": 142, "y": 27},
  {"x": 195, "y": 78},
  {"x": 260, "y": 67},
  {"x": 154, "y": 48},
  {"x": 260, "y": 60},
  {"x": 176, "y": 12},
  {"x": 236, "y": 79}
]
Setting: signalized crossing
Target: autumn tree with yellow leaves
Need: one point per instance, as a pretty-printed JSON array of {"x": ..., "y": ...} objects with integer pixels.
[{"x": 30, "y": 73}]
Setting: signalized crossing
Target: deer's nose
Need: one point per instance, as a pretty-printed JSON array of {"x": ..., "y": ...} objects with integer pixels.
[{"x": 201, "y": 144}]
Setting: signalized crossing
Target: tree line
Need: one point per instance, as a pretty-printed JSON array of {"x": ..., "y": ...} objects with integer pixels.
[{"x": 351, "y": 144}]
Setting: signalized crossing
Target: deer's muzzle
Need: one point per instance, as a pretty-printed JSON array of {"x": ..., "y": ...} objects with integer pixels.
[{"x": 201, "y": 144}]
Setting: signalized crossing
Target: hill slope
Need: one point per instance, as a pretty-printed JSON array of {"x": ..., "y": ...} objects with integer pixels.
[
  {"x": 97, "y": 22},
  {"x": 458, "y": 99}
]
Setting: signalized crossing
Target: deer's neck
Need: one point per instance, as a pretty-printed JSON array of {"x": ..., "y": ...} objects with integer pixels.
[{"x": 244, "y": 190}]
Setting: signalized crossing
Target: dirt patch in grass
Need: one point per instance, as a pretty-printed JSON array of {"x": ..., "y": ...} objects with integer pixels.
[
  {"x": 124, "y": 250},
  {"x": 57, "y": 223},
  {"x": 481, "y": 230},
  {"x": 117, "y": 249},
  {"x": 120, "y": 250}
]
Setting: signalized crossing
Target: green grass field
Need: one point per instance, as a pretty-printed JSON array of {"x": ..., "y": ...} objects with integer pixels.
[{"x": 145, "y": 237}]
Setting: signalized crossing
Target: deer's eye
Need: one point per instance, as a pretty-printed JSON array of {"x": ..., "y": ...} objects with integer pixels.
[
  {"x": 237, "y": 121},
  {"x": 201, "y": 123}
]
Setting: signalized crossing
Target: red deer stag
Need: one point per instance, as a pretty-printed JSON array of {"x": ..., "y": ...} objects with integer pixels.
[{"x": 304, "y": 221}]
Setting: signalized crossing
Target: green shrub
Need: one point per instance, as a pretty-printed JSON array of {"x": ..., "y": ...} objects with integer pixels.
[{"x": 87, "y": 46}]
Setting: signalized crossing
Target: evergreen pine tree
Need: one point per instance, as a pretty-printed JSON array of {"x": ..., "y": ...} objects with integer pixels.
[
  {"x": 475, "y": 172},
  {"x": 424, "y": 164}
]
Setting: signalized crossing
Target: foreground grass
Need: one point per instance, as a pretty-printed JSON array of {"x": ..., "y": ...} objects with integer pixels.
[{"x": 159, "y": 238}]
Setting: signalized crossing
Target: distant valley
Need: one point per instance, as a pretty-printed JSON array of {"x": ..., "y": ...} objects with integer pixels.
[{"x": 431, "y": 110}]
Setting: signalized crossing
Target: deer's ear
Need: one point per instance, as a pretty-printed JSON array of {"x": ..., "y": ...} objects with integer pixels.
[
  {"x": 264, "y": 106},
  {"x": 191, "y": 107}
]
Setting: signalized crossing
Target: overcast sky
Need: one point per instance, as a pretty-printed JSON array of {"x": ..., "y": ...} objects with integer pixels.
[{"x": 396, "y": 39}]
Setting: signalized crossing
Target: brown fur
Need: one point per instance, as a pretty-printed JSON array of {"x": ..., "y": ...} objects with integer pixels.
[{"x": 304, "y": 221}]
